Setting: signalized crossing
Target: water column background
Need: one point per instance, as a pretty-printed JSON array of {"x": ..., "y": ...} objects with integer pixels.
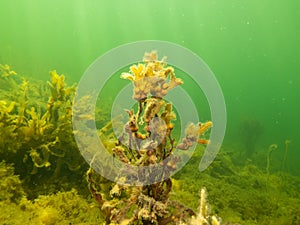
[{"x": 251, "y": 46}]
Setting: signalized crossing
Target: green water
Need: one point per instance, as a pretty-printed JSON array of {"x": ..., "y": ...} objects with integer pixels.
[{"x": 251, "y": 46}]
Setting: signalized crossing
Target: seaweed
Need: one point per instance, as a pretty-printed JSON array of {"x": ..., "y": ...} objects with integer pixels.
[
  {"x": 62, "y": 208},
  {"x": 147, "y": 140},
  {"x": 238, "y": 192},
  {"x": 35, "y": 129},
  {"x": 11, "y": 189}
]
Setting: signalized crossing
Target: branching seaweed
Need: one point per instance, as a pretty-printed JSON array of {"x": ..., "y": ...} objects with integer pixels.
[{"x": 146, "y": 140}]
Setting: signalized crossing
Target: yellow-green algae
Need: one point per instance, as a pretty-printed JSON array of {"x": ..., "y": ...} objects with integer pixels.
[
  {"x": 11, "y": 189},
  {"x": 239, "y": 193},
  {"x": 36, "y": 131}
]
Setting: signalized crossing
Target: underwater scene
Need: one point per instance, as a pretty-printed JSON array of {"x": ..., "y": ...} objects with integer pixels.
[{"x": 149, "y": 112}]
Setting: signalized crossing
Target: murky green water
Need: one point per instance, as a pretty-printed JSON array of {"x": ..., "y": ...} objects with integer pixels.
[{"x": 251, "y": 46}]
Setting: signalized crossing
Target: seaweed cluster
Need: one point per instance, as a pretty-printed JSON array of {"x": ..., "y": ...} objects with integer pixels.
[
  {"x": 145, "y": 142},
  {"x": 38, "y": 152},
  {"x": 35, "y": 128}
]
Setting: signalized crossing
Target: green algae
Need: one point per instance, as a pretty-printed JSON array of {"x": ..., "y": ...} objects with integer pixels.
[
  {"x": 239, "y": 192},
  {"x": 61, "y": 208},
  {"x": 36, "y": 131},
  {"x": 11, "y": 189}
]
